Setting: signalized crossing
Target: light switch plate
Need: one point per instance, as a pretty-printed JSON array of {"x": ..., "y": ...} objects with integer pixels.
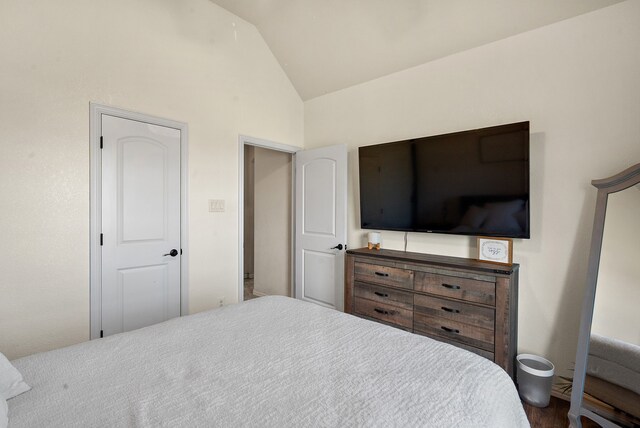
[{"x": 216, "y": 205}]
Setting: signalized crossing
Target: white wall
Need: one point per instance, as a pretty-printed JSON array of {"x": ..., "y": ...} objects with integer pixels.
[
  {"x": 272, "y": 223},
  {"x": 578, "y": 83},
  {"x": 186, "y": 60}
]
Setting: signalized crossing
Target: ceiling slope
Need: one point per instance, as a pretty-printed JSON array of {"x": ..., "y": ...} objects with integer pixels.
[{"x": 328, "y": 45}]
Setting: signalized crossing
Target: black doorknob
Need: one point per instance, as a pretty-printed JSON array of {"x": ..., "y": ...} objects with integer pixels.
[
  {"x": 172, "y": 253},
  {"x": 337, "y": 247}
]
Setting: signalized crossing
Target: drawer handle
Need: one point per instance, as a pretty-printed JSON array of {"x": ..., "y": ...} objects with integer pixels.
[
  {"x": 382, "y": 311},
  {"x": 381, "y": 274},
  {"x": 455, "y": 311},
  {"x": 377, "y": 293},
  {"x": 451, "y": 287},
  {"x": 450, "y": 330}
]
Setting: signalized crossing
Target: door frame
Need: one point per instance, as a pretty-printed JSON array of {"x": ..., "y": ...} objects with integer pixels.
[
  {"x": 95, "y": 196},
  {"x": 245, "y": 140}
]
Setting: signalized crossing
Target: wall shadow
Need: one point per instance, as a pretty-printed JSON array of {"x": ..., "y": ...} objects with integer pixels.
[{"x": 567, "y": 322}]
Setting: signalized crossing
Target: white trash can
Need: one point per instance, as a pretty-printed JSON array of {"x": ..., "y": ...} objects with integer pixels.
[{"x": 535, "y": 379}]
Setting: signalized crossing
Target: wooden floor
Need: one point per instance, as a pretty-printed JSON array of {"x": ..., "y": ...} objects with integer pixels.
[{"x": 553, "y": 416}]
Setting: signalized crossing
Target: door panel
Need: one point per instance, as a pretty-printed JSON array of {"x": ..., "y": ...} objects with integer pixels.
[
  {"x": 142, "y": 172},
  {"x": 144, "y": 296},
  {"x": 319, "y": 178},
  {"x": 319, "y": 271},
  {"x": 140, "y": 224},
  {"x": 321, "y": 217}
]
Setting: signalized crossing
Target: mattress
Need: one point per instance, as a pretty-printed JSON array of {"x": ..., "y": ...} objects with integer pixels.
[{"x": 268, "y": 362}]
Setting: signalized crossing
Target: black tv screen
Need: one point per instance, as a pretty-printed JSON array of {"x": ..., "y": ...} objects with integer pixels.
[{"x": 467, "y": 183}]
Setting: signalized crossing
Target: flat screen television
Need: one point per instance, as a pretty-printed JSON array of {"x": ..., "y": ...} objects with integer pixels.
[{"x": 466, "y": 183}]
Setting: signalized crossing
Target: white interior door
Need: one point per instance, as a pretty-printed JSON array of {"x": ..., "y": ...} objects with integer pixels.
[
  {"x": 321, "y": 225},
  {"x": 140, "y": 224}
]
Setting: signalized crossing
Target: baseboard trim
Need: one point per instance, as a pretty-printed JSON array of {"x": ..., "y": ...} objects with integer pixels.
[{"x": 259, "y": 294}]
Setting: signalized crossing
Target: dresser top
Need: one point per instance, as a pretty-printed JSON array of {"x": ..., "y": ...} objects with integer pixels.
[{"x": 408, "y": 257}]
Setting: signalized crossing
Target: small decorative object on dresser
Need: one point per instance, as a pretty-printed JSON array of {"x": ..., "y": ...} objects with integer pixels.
[
  {"x": 467, "y": 303},
  {"x": 374, "y": 240},
  {"x": 495, "y": 250}
]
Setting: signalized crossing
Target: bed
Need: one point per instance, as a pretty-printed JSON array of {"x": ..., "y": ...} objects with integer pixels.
[{"x": 271, "y": 361}]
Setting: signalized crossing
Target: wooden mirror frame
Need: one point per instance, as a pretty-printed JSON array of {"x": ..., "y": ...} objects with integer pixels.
[{"x": 627, "y": 178}]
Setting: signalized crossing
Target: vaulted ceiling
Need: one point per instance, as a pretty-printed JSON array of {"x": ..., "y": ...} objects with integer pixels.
[{"x": 328, "y": 45}]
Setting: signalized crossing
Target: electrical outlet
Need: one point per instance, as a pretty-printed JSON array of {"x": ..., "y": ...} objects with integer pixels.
[
  {"x": 220, "y": 301},
  {"x": 216, "y": 205}
]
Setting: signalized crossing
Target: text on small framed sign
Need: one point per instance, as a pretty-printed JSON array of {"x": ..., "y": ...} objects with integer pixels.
[{"x": 495, "y": 250}]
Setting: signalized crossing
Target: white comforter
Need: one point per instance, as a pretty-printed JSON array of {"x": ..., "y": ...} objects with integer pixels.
[{"x": 272, "y": 361}]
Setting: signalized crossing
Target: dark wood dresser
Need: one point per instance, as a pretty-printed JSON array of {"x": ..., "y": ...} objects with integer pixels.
[{"x": 464, "y": 302}]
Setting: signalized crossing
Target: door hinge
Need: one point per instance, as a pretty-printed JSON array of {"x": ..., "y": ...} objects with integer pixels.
[
  {"x": 180, "y": 251},
  {"x": 101, "y": 239},
  {"x": 101, "y": 142},
  {"x": 101, "y": 333}
]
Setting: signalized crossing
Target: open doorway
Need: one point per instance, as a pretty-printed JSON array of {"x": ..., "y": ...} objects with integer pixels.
[{"x": 266, "y": 219}]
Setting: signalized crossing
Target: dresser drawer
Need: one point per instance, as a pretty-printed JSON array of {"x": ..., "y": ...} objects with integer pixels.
[
  {"x": 395, "y": 277},
  {"x": 465, "y": 333},
  {"x": 468, "y": 289},
  {"x": 384, "y": 312},
  {"x": 384, "y": 295},
  {"x": 487, "y": 354},
  {"x": 480, "y": 316}
]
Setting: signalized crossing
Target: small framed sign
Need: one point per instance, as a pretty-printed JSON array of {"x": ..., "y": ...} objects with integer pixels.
[{"x": 495, "y": 250}]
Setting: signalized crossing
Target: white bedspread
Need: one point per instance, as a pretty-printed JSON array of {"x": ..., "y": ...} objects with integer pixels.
[{"x": 272, "y": 361}]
